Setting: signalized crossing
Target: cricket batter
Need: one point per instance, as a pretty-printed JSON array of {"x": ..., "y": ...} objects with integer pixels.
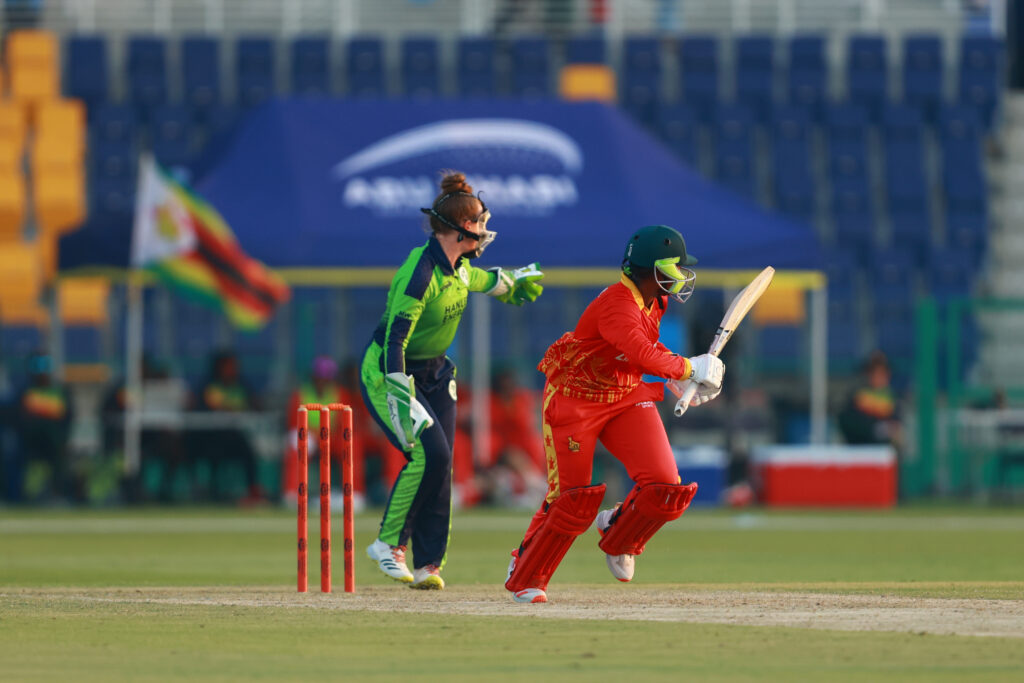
[
  {"x": 594, "y": 391},
  {"x": 408, "y": 384}
]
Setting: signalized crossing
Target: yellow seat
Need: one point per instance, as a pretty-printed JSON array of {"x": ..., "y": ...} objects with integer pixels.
[
  {"x": 12, "y": 204},
  {"x": 12, "y": 122},
  {"x": 11, "y": 154},
  {"x": 587, "y": 82},
  {"x": 59, "y": 200},
  {"x": 83, "y": 300},
  {"x": 62, "y": 121},
  {"x": 31, "y": 85},
  {"x": 30, "y": 46},
  {"x": 20, "y": 284},
  {"x": 54, "y": 155},
  {"x": 781, "y": 305}
]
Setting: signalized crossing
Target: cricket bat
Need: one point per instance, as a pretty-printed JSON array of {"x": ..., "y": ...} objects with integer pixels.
[{"x": 734, "y": 315}]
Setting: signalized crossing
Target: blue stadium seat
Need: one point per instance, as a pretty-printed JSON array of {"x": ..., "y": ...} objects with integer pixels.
[
  {"x": 963, "y": 179},
  {"x": 781, "y": 347},
  {"x": 680, "y": 130},
  {"x": 420, "y": 67},
  {"x": 254, "y": 70},
  {"x": 841, "y": 268},
  {"x": 476, "y": 67},
  {"x": 530, "y": 60},
  {"x": 950, "y": 273},
  {"x": 807, "y": 73},
  {"x": 200, "y": 70},
  {"x": 867, "y": 74},
  {"x": 922, "y": 73},
  {"x": 847, "y": 145},
  {"x": 734, "y": 151},
  {"x": 895, "y": 329},
  {"x": 854, "y": 221},
  {"x": 311, "y": 66},
  {"x": 86, "y": 72},
  {"x": 791, "y": 162},
  {"x": 641, "y": 79},
  {"x": 902, "y": 123},
  {"x": 113, "y": 160},
  {"x": 585, "y": 50},
  {"x": 845, "y": 332},
  {"x": 172, "y": 135},
  {"x": 114, "y": 123},
  {"x": 111, "y": 200},
  {"x": 981, "y": 76},
  {"x": 365, "y": 67},
  {"x": 791, "y": 147},
  {"x": 755, "y": 74},
  {"x": 698, "y": 61},
  {"x": 892, "y": 276},
  {"x": 911, "y": 226},
  {"x": 147, "y": 74}
]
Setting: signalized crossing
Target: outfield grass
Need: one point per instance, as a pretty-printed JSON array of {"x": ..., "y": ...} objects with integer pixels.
[{"x": 46, "y": 633}]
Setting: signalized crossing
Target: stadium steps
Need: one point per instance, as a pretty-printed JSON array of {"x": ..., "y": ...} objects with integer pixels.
[{"x": 1001, "y": 362}]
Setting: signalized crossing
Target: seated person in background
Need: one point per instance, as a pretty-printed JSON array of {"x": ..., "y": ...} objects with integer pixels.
[
  {"x": 42, "y": 418},
  {"x": 870, "y": 415},
  {"x": 518, "y": 468},
  {"x": 158, "y": 443},
  {"x": 322, "y": 388},
  {"x": 224, "y": 392}
]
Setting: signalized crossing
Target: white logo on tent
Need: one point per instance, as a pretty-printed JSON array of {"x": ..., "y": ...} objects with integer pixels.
[{"x": 543, "y": 161}]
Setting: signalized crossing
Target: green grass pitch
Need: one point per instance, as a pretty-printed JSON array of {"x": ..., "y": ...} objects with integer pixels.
[{"x": 208, "y": 594}]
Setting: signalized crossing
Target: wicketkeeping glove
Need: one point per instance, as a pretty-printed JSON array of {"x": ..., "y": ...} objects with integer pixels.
[
  {"x": 526, "y": 283},
  {"x": 408, "y": 416},
  {"x": 517, "y": 286}
]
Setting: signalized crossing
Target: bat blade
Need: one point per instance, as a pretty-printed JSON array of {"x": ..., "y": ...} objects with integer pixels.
[{"x": 738, "y": 309}]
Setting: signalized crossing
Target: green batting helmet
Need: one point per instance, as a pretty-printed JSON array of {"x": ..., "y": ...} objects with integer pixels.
[{"x": 663, "y": 250}]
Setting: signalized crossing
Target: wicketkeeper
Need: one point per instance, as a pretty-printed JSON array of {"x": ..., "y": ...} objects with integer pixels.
[
  {"x": 408, "y": 383},
  {"x": 594, "y": 391}
]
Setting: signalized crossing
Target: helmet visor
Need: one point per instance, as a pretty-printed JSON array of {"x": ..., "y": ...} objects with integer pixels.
[{"x": 674, "y": 280}]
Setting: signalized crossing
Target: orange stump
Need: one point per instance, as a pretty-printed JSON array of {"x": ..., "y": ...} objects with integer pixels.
[
  {"x": 303, "y": 467},
  {"x": 325, "y": 494}
]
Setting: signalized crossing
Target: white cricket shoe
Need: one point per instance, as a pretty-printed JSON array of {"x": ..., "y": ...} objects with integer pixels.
[
  {"x": 530, "y": 595},
  {"x": 621, "y": 566},
  {"x": 390, "y": 559},
  {"x": 427, "y": 578},
  {"x": 527, "y": 595}
]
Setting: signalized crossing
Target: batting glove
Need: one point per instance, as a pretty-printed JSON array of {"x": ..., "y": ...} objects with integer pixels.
[{"x": 707, "y": 370}]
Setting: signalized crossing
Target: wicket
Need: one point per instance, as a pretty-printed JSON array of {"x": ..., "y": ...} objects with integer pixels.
[{"x": 325, "y": 494}]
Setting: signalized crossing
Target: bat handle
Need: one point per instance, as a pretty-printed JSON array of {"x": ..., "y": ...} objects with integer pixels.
[{"x": 684, "y": 401}]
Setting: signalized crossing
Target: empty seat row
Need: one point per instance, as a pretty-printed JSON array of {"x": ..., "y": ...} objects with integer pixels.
[{"x": 529, "y": 64}]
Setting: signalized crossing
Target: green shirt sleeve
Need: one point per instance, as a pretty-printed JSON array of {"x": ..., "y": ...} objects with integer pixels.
[{"x": 481, "y": 280}]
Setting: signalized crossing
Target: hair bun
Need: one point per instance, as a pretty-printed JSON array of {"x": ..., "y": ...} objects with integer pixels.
[{"x": 455, "y": 182}]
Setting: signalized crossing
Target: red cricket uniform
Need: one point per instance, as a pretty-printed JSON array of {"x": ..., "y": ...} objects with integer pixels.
[{"x": 594, "y": 391}]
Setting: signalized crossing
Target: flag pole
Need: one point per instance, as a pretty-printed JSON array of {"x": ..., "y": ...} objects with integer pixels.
[
  {"x": 133, "y": 375},
  {"x": 134, "y": 335}
]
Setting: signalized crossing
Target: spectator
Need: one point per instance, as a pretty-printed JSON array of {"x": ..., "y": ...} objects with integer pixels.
[
  {"x": 518, "y": 466},
  {"x": 161, "y": 446},
  {"x": 42, "y": 413},
  {"x": 870, "y": 415},
  {"x": 225, "y": 393},
  {"x": 322, "y": 387}
]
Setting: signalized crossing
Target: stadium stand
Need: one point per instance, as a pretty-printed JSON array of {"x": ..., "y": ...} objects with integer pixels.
[{"x": 858, "y": 166}]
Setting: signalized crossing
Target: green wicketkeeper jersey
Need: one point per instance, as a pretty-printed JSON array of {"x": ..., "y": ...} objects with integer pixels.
[{"x": 425, "y": 303}]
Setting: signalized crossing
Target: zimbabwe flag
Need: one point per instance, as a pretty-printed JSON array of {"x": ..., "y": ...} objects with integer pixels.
[{"x": 186, "y": 243}]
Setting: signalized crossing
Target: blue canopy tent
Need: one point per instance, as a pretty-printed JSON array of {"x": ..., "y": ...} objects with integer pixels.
[{"x": 334, "y": 187}]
